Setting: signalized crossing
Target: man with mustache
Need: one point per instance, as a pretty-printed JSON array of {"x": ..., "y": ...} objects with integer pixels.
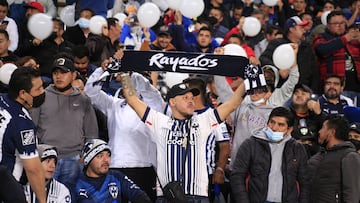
[
  {"x": 332, "y": 102},
  {"x": 100, "y": 184}
]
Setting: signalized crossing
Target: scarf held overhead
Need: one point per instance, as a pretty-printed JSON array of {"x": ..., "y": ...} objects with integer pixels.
[{"x": 181, "y": 62}]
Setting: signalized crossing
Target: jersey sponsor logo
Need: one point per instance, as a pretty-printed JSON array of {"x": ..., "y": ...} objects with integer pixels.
[
  {"x": 179, "y": 142},
  {"x": 27, "y": 137},
  {"x": 83, "y": 192},
  {"x": 113, "y": 190}
]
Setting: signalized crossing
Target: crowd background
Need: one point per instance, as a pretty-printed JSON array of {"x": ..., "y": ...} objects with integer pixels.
[{"x": 81, "y": 105}]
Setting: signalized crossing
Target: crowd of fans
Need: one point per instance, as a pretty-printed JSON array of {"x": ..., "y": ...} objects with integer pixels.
[{"x": 73, "y": 123}]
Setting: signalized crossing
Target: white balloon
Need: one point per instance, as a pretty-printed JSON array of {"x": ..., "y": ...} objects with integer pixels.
[
  {"x": 251, "y": 26},
  {"x": 284, "y": 56},
  {"x": 234, "y": 50},
  {"x": 5, "y": 72},
  {"x": 324, "y": 16},
  {"x": 96, "y": 24},
  {"x": 121, "y": 17},
  {"x": 172, "y": 78},
  {"x": 270, "y": 2},
  {"x": 162, "y": 4},
  {"x": 174, "y": 4},
  {"x": 67, "y": 15},
  {"x": 40, "y": 25},
  {"x": 148, "y": 14},
  {"x": 192, "y": 8}
]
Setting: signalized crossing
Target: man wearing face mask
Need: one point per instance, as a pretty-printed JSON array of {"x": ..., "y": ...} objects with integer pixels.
[
  {"x": 354, "y": 135},
  {"x": 274, "y": 163},
  {"x": 335, "y": 170},
  {"x": 253, "y": 112},
  {"x": 81, "y": 31},
  {"x": 18, "y": 151},
  {"x": 66, "y": 120}
]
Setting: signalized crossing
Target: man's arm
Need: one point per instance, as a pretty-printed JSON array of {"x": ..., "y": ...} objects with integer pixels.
[
  {"x": 131, "y": 95},
  {"x": 350, "y": 177},
  {"x": 224, "y": 152},
  {"x": 230, "y": 105},
  {"x": 36, "y": 177}
]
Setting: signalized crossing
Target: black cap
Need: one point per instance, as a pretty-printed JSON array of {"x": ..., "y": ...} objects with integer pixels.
[
  {"x": 304, "y": 87},
  {"x": 64, "y": 64},
  {"x": 355, "y": 127},
  {"x": 164, "y": 31},
  {"x": 181, "y": 89}
]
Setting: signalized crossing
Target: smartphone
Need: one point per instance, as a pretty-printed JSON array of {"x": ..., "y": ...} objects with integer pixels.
[{"x": 5, "y": 22}]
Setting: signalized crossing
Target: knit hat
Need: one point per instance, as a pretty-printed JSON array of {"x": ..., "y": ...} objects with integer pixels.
[
  {"x": 92, "y": 148},
  {"x": 47, "y": 151}
]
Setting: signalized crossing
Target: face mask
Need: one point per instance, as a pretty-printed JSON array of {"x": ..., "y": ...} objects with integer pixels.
[
  {"x": 38, "y": 100},
  {"x": 356, "y": 143},
  {"x": 83, "y": 23},
  {"x": 274, "y": 136},
  {"x": 258, "y": 102},
  {"x": 69, "y": 86}
]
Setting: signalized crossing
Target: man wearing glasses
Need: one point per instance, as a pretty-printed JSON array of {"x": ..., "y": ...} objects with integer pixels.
[{"x": 338, "y": 52}]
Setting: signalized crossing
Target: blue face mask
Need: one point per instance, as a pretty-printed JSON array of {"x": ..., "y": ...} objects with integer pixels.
[
  {"x": 274, "y": 136},
  {"x": 83, "y": 23}
]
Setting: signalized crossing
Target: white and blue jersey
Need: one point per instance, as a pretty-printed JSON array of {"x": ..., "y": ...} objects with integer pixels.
[
  {"x": 170, "y": 137},
  {"x": 109, "y": 188},
  {"x": 56, "y": 192},
  {"x": 17, "y": 135}
]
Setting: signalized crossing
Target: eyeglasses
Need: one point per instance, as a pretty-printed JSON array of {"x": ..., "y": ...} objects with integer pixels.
[{"x": 337, "y": 23}]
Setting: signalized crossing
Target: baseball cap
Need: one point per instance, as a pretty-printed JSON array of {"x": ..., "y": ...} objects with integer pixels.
[
  {"x": 64, "y": 64},
  {"x": 47, "y": 151},
  {"x": 355, "y": 127},
  {"x": 92, "y": 148},
  {"x": 164, "y": 31},
  {"x": 180, "y": 89},
  {"x": 304, "y": 87},
  {"x": 35, "y": 5},
  {"x": 294, "y": 21}
]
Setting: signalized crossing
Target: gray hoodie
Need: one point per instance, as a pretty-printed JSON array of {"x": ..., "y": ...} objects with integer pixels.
[
  {"x": 275, "y": 175},
  {"x": 65, "y": 121},
  {"x": 248, "y": 118}
]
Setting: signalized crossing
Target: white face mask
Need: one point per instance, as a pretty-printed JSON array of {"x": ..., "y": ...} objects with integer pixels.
[
  {"x": 136, "y": 29},
  {"x": 258, "y": 102},
  {"x": 274, "y": 136}
]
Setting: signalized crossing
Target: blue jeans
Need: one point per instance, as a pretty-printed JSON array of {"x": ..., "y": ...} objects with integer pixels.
[
  {"x": 190, "y": 198},
  {"x": 67, "y": 172}
]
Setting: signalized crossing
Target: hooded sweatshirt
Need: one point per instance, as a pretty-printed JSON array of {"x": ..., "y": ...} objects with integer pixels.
[
  {"x": 275, "y": 174},
  {"x": 65, "y": 121}
]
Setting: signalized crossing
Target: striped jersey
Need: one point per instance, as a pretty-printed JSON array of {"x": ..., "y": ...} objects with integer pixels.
[
  {"x": 170, "y": 136},
  {"x": 219, "y": 134},
  {"x": 56, "y": 192},
  {"x": 17, "y": 135}
]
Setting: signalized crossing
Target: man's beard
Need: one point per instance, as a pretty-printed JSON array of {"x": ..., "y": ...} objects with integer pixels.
[{"x": 332, "y": 95}]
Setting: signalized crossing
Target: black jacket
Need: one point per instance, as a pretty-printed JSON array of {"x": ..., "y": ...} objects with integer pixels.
[
  {"x": 254, "y": 160},
  {"x": 335, "y": 174}
]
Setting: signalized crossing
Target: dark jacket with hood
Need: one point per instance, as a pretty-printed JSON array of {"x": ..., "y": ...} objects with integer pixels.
[
  {"x": 253, "y": 161},
  {"x": 335, "y": 174}
]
